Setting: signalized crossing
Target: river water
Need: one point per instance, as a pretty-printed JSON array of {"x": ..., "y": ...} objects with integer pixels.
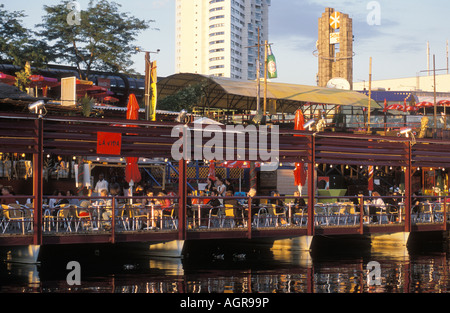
[{"x": 423, "y": 268}]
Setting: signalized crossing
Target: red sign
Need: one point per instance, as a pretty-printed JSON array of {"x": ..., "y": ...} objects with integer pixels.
[{"x": 109, "y": 143}]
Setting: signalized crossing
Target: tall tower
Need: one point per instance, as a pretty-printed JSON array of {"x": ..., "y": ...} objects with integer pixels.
[
  {"x": 212, "y": 36},
  {"x": 335, "y": 47}
]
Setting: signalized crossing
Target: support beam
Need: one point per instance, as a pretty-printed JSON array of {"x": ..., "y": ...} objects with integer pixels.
[
  {"x": 311, "y": 188},
  {"x": 38, "y": 182},
  {"x": 182, "y": 201},
  {"x": 408, "y": 173}
]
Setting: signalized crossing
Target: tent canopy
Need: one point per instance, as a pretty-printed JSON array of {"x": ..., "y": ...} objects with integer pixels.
[{"x": 229, "y": 93}]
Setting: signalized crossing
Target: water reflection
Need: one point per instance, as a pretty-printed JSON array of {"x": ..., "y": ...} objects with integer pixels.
[{"x": 401, "y": 270}]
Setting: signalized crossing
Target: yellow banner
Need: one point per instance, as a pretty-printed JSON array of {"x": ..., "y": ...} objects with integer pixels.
[{"x": 153, "y": 78}]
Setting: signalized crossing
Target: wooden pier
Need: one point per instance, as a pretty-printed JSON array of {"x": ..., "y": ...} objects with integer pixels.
[{"x": 74, "y": 136}]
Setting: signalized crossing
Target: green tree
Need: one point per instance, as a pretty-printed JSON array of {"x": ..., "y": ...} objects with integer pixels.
[
  {"x": 103, "y": 40},
  {"x": 186, "y": 98},
  {"x": 17, "y": 43}
]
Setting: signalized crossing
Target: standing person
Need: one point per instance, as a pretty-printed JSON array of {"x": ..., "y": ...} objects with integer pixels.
[
  {"x": 101, "y": 184},
  {"x": 254, "y": 206}
]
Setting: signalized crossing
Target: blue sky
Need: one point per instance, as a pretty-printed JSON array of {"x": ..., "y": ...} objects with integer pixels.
[{"x": 397, "y": 45}]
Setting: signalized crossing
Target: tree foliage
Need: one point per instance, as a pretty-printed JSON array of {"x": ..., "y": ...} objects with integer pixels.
[
  {"x": 103, "y": 40},
  {"x": 186, "y": 98},
  {"x": 17, "y": 43}
]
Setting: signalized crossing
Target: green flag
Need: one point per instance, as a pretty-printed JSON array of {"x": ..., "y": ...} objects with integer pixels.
[{"x": 271, "y": 64}]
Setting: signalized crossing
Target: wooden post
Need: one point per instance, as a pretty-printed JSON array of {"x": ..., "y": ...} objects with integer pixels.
[
  {"x": 408, "y": 191},
  {"x": 444, "y": 218},
  {"x": 38, "y": 182},
  {"x": 311, "y": 189},
  {"x": 361, "y": 215},
  {"x": 182, "y": 193},
  {"x": 113, "y": 220},
  {"x": 249, "y": 218},
  {"x": 370, "y": 95}
]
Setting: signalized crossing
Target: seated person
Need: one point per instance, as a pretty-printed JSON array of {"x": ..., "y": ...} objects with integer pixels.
[
  {"x": 163, "y": 203},
  {"x": 214, "y": 202},
  {"x": 299, "y": 203},
  {"x": 7, "y": 196},
  {"x": 107, "y": 213},
  {"x": 378, "y": 205}
]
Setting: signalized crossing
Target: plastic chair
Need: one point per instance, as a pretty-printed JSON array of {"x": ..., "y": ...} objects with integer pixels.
[
  {"x": 353, "y": 214},
  {"x": 64, "y": 216},
  {"x": 275, "y": 214},
  {"x": 300, "y": 217},
  {"x": 321, "y": 213},
  {"x": 138, "y": 217},
  {"x": 13, "y": 213},
  {"x": 229, "y": 216},
  {"x": 262, "y": 214},
  {"x": 214, "y": 217},
  {"x": 170, "y": 217},
  {"x": 438, "y": 212}
]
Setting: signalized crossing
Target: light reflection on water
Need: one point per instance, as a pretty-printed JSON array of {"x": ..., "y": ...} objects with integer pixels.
[{"x": 402, "y": 271}]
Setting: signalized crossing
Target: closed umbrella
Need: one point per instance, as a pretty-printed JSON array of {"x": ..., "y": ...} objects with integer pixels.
[
  {"x": 299, "y": 171},
  {"x": 132, "y": 173}
]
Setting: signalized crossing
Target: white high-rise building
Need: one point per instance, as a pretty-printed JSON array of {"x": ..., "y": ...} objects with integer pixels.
[{"x": 213, "y": 36}]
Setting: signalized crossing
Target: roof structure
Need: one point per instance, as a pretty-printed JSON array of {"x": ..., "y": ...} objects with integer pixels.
[{"x": 231, "y": 94}]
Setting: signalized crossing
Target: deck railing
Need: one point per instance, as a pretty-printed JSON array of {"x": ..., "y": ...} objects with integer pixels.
[{"x": 100, "y": 215}]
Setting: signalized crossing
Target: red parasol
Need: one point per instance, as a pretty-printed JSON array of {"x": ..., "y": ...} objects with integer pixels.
[
  {"x": 110, "y": 99},
  {"x": 7, "y": 79},
  {"x": 444, "y": 102},
  {"x": 41, "y": 81},
  {"x": 424, "y": 104},
  {"x": 299, "y": 171},
  {"x": 132, "y": 170}
]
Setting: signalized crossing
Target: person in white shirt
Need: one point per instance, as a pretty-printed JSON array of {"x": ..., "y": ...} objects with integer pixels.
[{"x": 101, "y": 184}]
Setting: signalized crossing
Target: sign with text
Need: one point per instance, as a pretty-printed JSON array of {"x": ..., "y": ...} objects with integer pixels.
[
  {"x": 335, "y": 38},
  {"x": 109, "y": 143}
]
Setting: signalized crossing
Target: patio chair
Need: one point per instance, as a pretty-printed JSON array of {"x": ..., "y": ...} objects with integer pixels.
[
  {"x": 276, "y": 214},
  {"x": 64, "y": 217},
  {"x": 214, "y": 217},
  {"x": 13, "y": 215},
  {"x": 321, "y": 215},
  {"x": 138, "y": 217},
  {"x": 229, "y": 217},
  {"x": 170, "y": 217}
]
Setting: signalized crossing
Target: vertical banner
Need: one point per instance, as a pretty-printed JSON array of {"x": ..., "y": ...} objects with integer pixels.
[
  {"x": 154, "y": 100},
  {"x": 271, "y": 64}
]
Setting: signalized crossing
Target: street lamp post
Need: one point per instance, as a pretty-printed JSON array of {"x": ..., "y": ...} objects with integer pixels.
[{"x": 147, "y": 90}]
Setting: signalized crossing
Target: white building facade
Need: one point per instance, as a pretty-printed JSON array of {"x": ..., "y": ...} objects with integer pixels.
[{"x": 215, "y": 37}]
